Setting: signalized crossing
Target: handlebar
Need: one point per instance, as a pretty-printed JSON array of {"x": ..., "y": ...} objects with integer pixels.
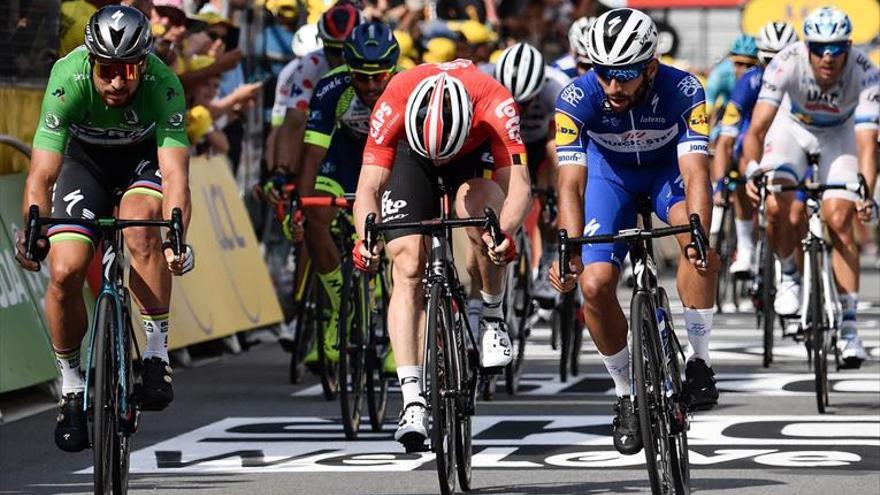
[
  {"x": 35, "y": 222},
  {"x": 860, "y": 187},
  {"x": 489, "y": 223},
  {"x": 699, "y": 240}
]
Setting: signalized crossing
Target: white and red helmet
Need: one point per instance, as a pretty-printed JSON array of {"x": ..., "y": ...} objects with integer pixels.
[{"x": 438, "y": 117}]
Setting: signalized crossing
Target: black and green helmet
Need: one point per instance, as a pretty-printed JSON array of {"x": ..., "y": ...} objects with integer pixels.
[{"x": 371, "y": 47}]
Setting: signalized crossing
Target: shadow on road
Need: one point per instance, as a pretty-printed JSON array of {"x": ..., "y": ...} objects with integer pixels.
[
  {"x": 708, "y": 485},
  {"x": 148, "y": 483}
]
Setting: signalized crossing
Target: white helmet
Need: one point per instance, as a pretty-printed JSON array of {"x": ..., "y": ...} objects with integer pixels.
[
  {"x": 578, "y": 38},
  {"x": 306, "y": 40},
  {"x": 521, "y": 70},
  {"x": 772, "y": 38},
  {"x": 438, "y": 117},
  {"x": 622, "y": 37},
  {"x": 827, "y": 25}
]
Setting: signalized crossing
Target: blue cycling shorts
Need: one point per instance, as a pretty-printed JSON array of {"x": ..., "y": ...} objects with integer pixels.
[{"x": 611, "y": 201}]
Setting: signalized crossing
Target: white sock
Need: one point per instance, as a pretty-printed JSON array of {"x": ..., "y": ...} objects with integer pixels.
[
  {"x": 848, "y": 304},
  {"x": 411, "y": 384},
  {"x": 492, "y": 305},
  {"x": 68, "y": 364},
  {"x": 474, "y": 312},
  {"x": 156, "y": 327},
  {"x": 744, "y": 235},
  {"x": 618, "y": 367},
  {"x": 699, "y": 328},
  {"x": 789, "y": 267}
]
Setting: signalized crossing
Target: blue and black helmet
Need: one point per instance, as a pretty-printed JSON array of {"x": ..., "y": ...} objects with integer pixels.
[{"x": 371, "y": 47}]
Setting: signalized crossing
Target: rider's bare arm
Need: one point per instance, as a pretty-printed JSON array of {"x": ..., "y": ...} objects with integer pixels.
[
  {"x": 370, "y": 183},
  {"x": 174, "y": 166},
  {"x": 44, "y": 170},
  {"x": 308, "y": 172},
  {"x": 570, "y": 185},
  {"x": 289, "y": 142},
  {"x": 514, "y": 180},
  {"x": 866, "y": 143},
  {"x": 694, "y": 169},
  {"x": 753, "y": 142}
]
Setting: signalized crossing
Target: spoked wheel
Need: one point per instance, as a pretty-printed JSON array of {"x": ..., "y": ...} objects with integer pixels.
[
  {"x": 576, "y": 343},
  {"x": 725, "y": 245},
  {"x": 768, "y": 297},
  {"x": 679, "y": 423},
  {"x": 467, "y": 366},
  {"x": 352, "y": 361},
  {"x": 649, "y": 395},
  {"x": 439, "y": 368},
  {"x": 376, "y": 325},
  {"x": 326, "y": 371},
  {"x": 110, "y": 447},
  {"x": 519, "y": 312},
  {"x": 303, "y": 333},
  {"x": 817, "y": 328},
  {"x": 566, "y": 334}
]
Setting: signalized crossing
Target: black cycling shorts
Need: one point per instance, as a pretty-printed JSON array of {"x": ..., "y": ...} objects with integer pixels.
[
  {"x": 342, "y": 165},
  {"x": 93, "y": 178},
  {"x": 536, "y": 153},
  {"x": 413, "y": 191}
]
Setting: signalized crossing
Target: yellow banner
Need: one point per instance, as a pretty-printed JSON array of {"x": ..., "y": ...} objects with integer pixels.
[
  {"x": 230, "y": 289},
  {"x": 864, "y": 14},
  {"x": 19, "y": 116}
]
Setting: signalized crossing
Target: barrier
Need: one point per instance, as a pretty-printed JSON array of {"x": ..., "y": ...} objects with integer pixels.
[
  {"x": 865, "y": 15},
  {"x": 25, "y": 352},
  {"x": 21, "y": 111},
  {"x": 230, "y": 289}
]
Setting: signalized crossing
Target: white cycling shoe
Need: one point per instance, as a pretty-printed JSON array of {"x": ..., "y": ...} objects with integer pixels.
[
  {"x": 852, "y": 352},
  {"x": 412, "y": 428},
  {"x": 495, "y": 351},
  {"x": 788, "y": 296},
  {"x": 742, "y": 263}
]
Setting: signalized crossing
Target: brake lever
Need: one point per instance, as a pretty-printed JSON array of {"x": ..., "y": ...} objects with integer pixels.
[
  {"x": 493, "y": 226},
  {"x": 31, "y": 233}
]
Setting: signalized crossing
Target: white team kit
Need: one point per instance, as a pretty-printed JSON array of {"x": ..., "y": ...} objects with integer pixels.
[
  {"x": 819, "y": 121},
  {"x": 296, "y": 81}
]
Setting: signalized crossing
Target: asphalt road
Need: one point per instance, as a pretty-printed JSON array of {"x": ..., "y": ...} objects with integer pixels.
[{"x": 238, "y": 427}]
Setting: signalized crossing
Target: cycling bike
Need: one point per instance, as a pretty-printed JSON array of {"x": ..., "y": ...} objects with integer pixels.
[
  {"x": 655, "y": 348},
  {"x": 729, "y": 286},
  {"x": 362, "y": 338},
  {"x": 762, "y": 287},
  {"x": 114, "y": 390},
  {"x": 451, "y": 360},
  {"x": 820, "y": 307}
]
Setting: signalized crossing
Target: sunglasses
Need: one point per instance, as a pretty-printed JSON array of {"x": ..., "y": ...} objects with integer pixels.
[
  {"x": 746, "y": 65},
  {"x": 109, "y": 71},
  {"x": 622, "y": 74},
  {"x": 834, "y": 49},
  {"x": 365, "y": 77}
]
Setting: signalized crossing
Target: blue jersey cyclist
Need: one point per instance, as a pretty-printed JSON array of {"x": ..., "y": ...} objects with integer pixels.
[
  {"x": 772, "y": 38},
  {"x": 632, "y": 128},
  {"x": 743, "y": 56},
  {"x": 336, "y": 132}
]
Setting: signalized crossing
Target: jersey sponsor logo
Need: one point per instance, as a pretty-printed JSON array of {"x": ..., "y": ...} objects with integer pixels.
[
  {"x": 572, "y": 95},
  {"x": 689, "y": 86},
  {"x": 175, "y": 120},
  {"x": 701, "y": 147},
  {"x": 377, "y": 123},
  {"x": 566, "y": 129},
  {"x": 170, "y": 93},
  {"x": 610, "y": 121},
  {"x": 635, "y": 141},
  {"x": 329, "y": 86},
  {"x": 652, "y": 120},
  {"x": 455, "y": 64},
  {"x": 863, "y": 62},
  {"x": 697, "y": 120},
  {"x": 654, "y": 101},
  {"x": 769, "y": 86},
  {"x": 369, "y": 158},
  {"x": 391, "y": 207},
  {"x": 731, "y": 115},
  {"x": 117, "y": 18},
  {"x": 507, "y": 108},
  {"x": 571, "y": 158},
  {"x": 59, "y": 93},
  {"x": 315, "y": 115},
  {"x": 592, "y": 227},
  {"x": 52, "y": 121},
  {"x": 871, "y": 81},
  {"x": 822, "y": 102},
  {"x": 130, "y": 117},
  {"x": 80, "y": 76},
  {"x": 110, "y": 137}
]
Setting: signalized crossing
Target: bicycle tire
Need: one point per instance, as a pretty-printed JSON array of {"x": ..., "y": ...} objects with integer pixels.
[
  {"x": 105, "y": 425},
  {"x": 326, "y": 372},
  {"x": 128, "y": 419},
  {"x": 577, "y": 342},
  {"x": 644, "y": 357},
  {"x": 817, "y": 327},
  {"x": 566, "y": 332},
  {"x": 467, "y": 366},
  {"x": 303, "y": 336},
  {"x": 768, "y": 293},
  {"x": 725, "y": 245},
  {"x": 377, "y": 382},
  {"x": 679, "y": 421},
  {"x": 351, "y": 376},
  {"x": 518, "y": 315},
  {"x": 442, "y": 406}
]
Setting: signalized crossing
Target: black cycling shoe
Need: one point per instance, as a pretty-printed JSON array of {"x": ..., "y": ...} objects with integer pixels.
[
  {"x": 156, "y": 392},
  {"x": 627, "y": 439},
  {"x": 72, "y": 429},
  {"x": 700, "y": 393}
]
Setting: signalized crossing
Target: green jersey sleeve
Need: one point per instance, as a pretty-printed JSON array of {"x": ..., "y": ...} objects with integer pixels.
[
  {"x": 63, "y": 103},
  {"x": 171, "y": 107}
]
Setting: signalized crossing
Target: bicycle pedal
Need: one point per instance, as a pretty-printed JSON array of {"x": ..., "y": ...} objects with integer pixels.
[
  {"x": 414, "y": 443},
  {"x": 851, "y": 363}
]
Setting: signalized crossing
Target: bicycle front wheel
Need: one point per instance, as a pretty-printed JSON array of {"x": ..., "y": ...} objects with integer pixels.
[
  {"x": 352, "y": 362},
  {"x": 768, "y": 298},
  {"x": 725, "y": 245},
  {"x": 106, "y": 433},
  {"x": 438, "y": 367},
  {"x": 678, "y": 419},
  {"x": 818, "y": 326},
  {"x": 566, "y": 334},
  {"x": 376, "y": 325}
]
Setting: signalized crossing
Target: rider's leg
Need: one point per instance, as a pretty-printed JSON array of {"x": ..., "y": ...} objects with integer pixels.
[
  {"x": 606, "y": 321},
  {"x": 744, "y": 214},
  {"x": 325, "y": 258},
  {"x": 546, "y": 179},
  {"x": 406, "y": 313},
  {"x": 839, "y": 215},
  {"x": 149, "y": 279}
]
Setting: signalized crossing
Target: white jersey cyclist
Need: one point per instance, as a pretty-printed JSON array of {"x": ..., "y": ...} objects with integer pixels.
[
  {"x": 819, "y": 121},
  {"x": 296, "y": 82}
]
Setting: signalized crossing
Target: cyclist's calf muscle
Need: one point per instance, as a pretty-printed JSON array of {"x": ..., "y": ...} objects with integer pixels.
[
  {"x": 65, "y": 308},
  {"x": 603, "y": 314},
  {"x": 406, "y": 309}
]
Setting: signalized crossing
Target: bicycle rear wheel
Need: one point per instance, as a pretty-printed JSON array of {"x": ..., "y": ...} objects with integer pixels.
[
  {"x": 438, "y": 365},
  {"x": 352, "y": 361},
  {"x": 303, "y": 334},
  {"x": 466, "y": 364},
  {"x": 648, "y": 388},
  {"x": 376, "y": 325},
  {"x": 106, "y": 434},
  {"x": 725, "y": 245},
  {"x": 517, "y": 308},
  {"x": 768, "y": 297},
  {"x": 818, "y": 326}
]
